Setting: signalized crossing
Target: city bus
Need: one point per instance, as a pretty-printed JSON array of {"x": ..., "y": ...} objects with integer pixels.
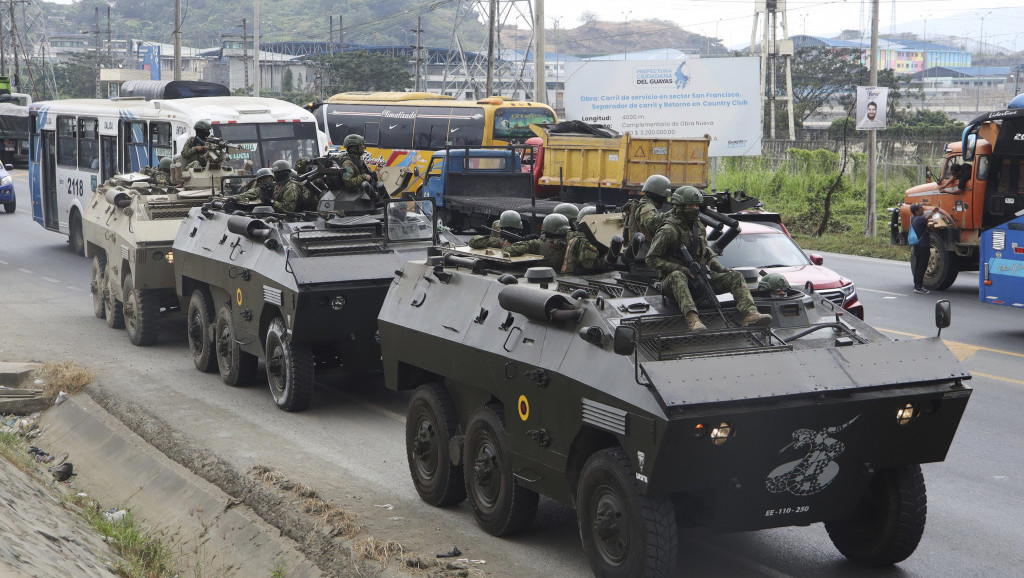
[
  {"x": 77, "y": 144},
  {"x": 404, "y": 128}
]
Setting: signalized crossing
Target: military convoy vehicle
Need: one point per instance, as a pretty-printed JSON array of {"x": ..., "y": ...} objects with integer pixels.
[
  {"x": 128, "y": 227},
  {"x": 299, "y": 290},
  {"x": 591, "y": 391}
]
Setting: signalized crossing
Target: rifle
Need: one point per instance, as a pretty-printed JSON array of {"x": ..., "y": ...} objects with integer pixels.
[
  {"x": 506, "y": 235},
  {"x": 700, "y": 280}
]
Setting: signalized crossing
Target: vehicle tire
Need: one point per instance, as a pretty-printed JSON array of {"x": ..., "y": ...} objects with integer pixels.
[
  {"x": 113, "y": 309},
  {"x": 99, "y": 280},
  {"x": 200, "y": 330},
  {"x": 75, "y": 234},
  {"x": 942, "y": 269},
  {"x": 289, "y": 368},
  {"x": 237, "y": 368},
  {"x": 10, "y": 206},
  {"x": 889, "y": 520},
  {"x": 141, "y": 313},
  {"x": 500, "y": 506},
  {"x": 624, "y": 533},
  {"x": 430, "y": 424}
]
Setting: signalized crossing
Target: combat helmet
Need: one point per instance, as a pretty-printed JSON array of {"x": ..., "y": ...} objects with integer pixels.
[
  {"x": 773, "y": 283},
  {"x": 686, "y": 195},
  {"x": 353, "y": 140},
  {"x": 570, "y": 211},
  {"x": 264, "y": 172},
  {"x": 658, "y": 185},
  {"x": 165, "y": 164},
  {"x": 555, "y": 224},
  {"x": 202, "y": 125},
  {"x": 586, "y": 210},
  {"x": 281, "y": 165},
  {"x": 510, "y": 220}
]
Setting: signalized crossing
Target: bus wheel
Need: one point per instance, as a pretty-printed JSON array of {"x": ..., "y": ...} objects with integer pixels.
[
  {"x": 942, "y": 269},
  {"x": 99, "y": 280},
  {"x": 75, "y": 234},
  {"x": 289, "y": 369},
  {"x": 237, "y": 368},
  {"x": 624, "y": 533},
  {"x": 141, "y": 313},
  {"x": 500, "y": 505}
]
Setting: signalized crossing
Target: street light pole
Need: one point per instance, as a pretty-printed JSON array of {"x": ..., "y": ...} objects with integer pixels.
[{"x": 981, "y": 71}]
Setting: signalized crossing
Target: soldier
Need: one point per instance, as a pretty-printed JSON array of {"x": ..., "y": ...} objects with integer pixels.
[
  {"x": 646, "y": 216},
  {"x": 260, "y": 188},
  {"x": 570, "y": 211},
  {"x": 290, "y": 195},
  {"x": 510, "y": 221},
  {"x": 682, "y": 228},
  {"x": 551, "y": 244},
  {"x": 195, "y": 146},
  {"x": 354, "y": 171},
  {"x": 162, "y": 176},
  {"x": 582, "y": 256},
  {"x": 773, "y": 285}
]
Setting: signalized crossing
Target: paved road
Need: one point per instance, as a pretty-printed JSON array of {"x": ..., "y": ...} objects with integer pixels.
[{"x": 351, "y": 445}]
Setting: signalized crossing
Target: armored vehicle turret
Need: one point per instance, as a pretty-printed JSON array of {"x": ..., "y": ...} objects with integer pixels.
[
  {"x": 128, "y": 227},
  {"x": 592, "y": 391},
  {"x": 300, "y": 290}
]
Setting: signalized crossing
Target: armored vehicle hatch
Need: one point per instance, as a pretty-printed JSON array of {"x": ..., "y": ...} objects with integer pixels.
[
  {"x": 299, "y": 290},
  {"x": 592, "y": 391}
]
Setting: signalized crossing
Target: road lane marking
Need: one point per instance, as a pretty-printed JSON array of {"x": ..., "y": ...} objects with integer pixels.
[
  {"x": 26, "y": 271},
  {"x": 51, "y": 279},
  {"x": 952, "y": 344},
  {"x": 862, "y": 288},
  {"x": 2, "y": 262},
  {"x": 72, "y": 287},
  {"x": 998, "y": 377}
]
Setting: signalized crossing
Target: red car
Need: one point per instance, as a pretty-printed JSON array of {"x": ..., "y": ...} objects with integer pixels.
[{"x": 772, "y": 250}]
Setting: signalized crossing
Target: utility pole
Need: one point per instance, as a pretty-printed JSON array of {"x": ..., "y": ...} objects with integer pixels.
[
  {"x": 540, "y": 84},
  {"x": 257, "y": 79},
  {"x": 96, "y": 31},
  {"x": 492, "y": 21},
  {"x": 871, "y": 225},
  {"x": 110, "y": 48},
  {"x": 245, "y": 54},
  {"x": 177, "y": 40},
  {"x": 416, "y": 52}
]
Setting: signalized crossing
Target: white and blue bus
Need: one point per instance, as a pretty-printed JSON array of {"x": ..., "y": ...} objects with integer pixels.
[{"x": 77, "y": 144}]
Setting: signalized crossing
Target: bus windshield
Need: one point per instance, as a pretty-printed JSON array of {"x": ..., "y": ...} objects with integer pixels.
[
  {"x": 269, "y": 142},
  {"x": 513, "y": 124}
]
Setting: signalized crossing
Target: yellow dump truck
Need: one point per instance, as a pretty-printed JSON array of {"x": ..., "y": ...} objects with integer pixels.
[{"x": 576, "y": 160}]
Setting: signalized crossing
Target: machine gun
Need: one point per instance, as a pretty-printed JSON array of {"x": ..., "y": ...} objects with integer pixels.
[
  {"x": 216, "y": 151},
  {"x": 699, "y": 278}
]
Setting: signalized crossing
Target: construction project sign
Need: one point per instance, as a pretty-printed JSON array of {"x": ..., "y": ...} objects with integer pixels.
[{"x": 672, "y": 99}]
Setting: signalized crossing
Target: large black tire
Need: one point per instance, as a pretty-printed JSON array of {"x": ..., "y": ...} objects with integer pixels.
[
  {"x": 624, "y": 533},
  {"x": 75, "y": 234},
  {"x": 289, "y": 369},
  {"x": 141, "y": 313},
  {"x": 942, "y": 269},
  {"x": 237, "y": 368},
  {"x": 113, "y": 309},
  {"x": 430, "y": 424},
  {"x": 10, "y": 206},
  {"x": 99, "y": 280},
  {"x": 889, "y": 520},
  {"x": 501, "y": 507},
  {"x": 200, "y": 330}
]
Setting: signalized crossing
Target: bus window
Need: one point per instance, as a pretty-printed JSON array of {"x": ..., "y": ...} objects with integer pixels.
[
  {"x": 432, "y": 129},
  {"x": 160, "y": 141},
  {"x": 371, "y": 134},
  {"x": 396, "y": 127},
  {"x": 67, "y": 142},
  {"x": 135, "y": 146},
  {"x": 88, "y": 145},
  {"x": 467, "y": 127}
]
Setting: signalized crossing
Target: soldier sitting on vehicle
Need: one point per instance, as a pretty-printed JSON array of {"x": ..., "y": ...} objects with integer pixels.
[
  {"x": 570, "y": 211},
  {"x": 551, "y": 244},
  {"x": 355, "y": 175},
  {"x": 582, "y": 256},
  {"x": 683, "y": 228},
  {"x": 280, "y": 191},
  {"x": 195, "y": 147},
  {"x": 508, "y": 222},
  {"x": 773, "y": 285},
  {"x": 646, "y": 215}
]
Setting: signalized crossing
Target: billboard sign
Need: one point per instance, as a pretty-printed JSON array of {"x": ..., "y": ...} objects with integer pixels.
[
  {"x": 871, "y": 107},
  {"x": 150, "y": 61},
  {"x": 672, "y": 99}
]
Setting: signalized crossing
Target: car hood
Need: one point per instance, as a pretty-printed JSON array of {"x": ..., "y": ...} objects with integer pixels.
[{"x": 822, "y": 277}]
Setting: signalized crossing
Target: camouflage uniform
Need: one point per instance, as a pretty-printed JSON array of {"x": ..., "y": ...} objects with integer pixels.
[
  {"x": 352, "y": 173},
  {"x": 288, "y": 198},
  {"x": 190, "y": 154},
  {"x": 665, "y": 256},
  {"x": 492, "y": 241},
  {"x": 161, "y": 179},
  {"x": 648, "y": 218},
  {"x": 581, "y": 256},
  {"x": 551, "y": 248}
]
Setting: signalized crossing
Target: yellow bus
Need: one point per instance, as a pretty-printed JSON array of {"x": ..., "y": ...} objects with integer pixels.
[{"x": 404, "y": 128}]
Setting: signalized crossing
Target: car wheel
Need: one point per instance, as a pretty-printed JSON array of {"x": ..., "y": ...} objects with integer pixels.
[
  {"x": 99, "y": 280},
  {"x": 501, "y": 507},
  {"x": 430, "y": 425},
  {"x": 141, "y": 313},
  {"x": 200, "y": 330},
  {"x": 289, "y": 369},
  {"x": 10, "y": 206},
  {"x": 237, "y": 368},
  {"x": 624, "y": 533},
  {"x": 889, "y": 520}
]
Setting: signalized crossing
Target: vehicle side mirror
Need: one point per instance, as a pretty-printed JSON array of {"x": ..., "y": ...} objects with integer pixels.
[
  {"x": 968, "y": 147},
  {"x": 817, "y": 259},
  {"x": 623, "y": 342},
  {"x": 9, "y": 166},
  {"x": 943, "y": 314}
]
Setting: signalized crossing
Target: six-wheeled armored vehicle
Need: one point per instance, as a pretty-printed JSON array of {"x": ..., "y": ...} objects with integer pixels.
[
  {"x": 592, "y": 391},
  {"x": 128, "y": 227},
  {"x": 300, "y": 290}
]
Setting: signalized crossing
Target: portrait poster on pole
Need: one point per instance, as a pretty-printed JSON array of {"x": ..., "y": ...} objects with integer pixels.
[{"x": 871, "y": 107}]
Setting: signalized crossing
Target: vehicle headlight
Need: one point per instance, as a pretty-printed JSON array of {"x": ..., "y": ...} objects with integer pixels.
[
  {"x": 338, "y": 303},
  {"x": 905, "y": 414},
  {"x": 6, "y": 181},
  {"x": 721, "y": 433},
  {"x": 848, "y": 290}
]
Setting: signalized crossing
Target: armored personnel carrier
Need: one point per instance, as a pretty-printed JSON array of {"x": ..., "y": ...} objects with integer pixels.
[
  {"x": 300, "y": 290},
  {"x": 592, "y": 391},
  {"x": 128, "y": 227}
]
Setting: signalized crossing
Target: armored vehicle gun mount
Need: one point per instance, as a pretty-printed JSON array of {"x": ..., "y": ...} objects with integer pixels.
[{"x": 590, "y": 390}]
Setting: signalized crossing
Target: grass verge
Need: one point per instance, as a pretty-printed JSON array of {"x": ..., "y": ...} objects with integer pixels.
[{"x": 854, "y": 244}]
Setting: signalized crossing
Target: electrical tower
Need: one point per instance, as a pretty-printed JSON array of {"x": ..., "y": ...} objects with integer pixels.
[
  {"x": 466, "y": 65},
  {"x": 776, "y": 59},
  {"x": 23, "y": 38}
]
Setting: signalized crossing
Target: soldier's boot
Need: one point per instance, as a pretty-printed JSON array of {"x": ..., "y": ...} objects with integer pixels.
[
  {"x": 693, "y": 322},
  {"x": 757, "y": 319}
]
